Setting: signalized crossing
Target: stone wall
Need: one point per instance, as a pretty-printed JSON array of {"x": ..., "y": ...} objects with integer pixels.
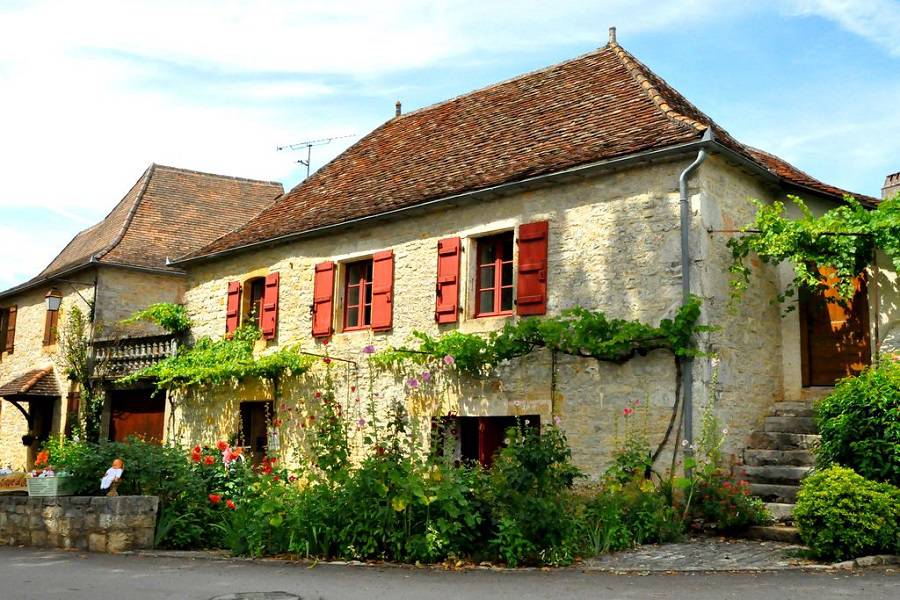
[
  {"x": 122, "y": 292},
  {"x": 30, "y": 354},
  {"x": 98, "y": 524}
]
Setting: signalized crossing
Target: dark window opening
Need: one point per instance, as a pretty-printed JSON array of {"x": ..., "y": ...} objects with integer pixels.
[
  {"x": 255, "y": 289},
  {"x": 358, "y": 295},
  {"x": 475, "y": 439},
  {"x": 253, "y": 437},
  {"x": 494, "y": 277}
]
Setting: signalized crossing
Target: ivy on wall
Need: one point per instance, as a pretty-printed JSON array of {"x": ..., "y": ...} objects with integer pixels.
[
  {"x": 843, "y": 239},
  {"x": 171, "y": 317},
  {"x": 209, "y": 363},
  {"x": 577, "y": 331}
]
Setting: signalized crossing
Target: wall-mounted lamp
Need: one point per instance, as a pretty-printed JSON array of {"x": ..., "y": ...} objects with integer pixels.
[{"x": 53, "y": 300}]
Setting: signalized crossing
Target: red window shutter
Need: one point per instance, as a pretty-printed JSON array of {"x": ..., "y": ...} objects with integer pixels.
[
  {"x": 447, "y": 298},
  {"x": 269, "y": 317},
  {"x": 233, "y": 307},
  {"x": 323, "y": 300},
  {"x": 10, "y": 341},
  {"x": 382, "y": 290},
  {"x": 531, "y": 292}
]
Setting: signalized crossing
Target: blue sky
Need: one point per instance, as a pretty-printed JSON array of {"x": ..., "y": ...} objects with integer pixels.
[{"x": 93, "y": 92}]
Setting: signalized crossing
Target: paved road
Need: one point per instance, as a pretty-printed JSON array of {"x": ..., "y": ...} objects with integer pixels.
[{"x": 47, "y": 575}]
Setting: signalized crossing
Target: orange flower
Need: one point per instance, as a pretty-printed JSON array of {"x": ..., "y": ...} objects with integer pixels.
[
  {"x": 43, "y": 458},
  {"x": 215, "y": 498},
  {"x": 237, "y": 451},
  {"x": 208, "y": 460},
  {"x": 229, "y": 504},
  {"x": 222, "y": 445}
]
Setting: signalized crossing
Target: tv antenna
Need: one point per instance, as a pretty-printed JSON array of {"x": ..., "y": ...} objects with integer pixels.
[{"x": 309, "y": 144}]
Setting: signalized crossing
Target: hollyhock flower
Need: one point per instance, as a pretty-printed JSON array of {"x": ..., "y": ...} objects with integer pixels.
[
  {"x": 227, "y": 456},
  {"x": 361, "y": 423},
  {"x": 197, "y": 449},
  {"x": 318, "y": 395},
  {"x": 215, "y": 498},
  {"x": 557, "y": 420},
  {"x": 425, "y": 376},
  {"x": 237, "y": 451},
  {"x": 637, "y": 402},
  {"x": 326, "y": 341},
  {"x": 327, "y": 360},
  {"x": 208, "y": 460},
  {"x": 229, "y": 504},
  {"x": 352, "y": 388},
  {"x": 370, "y": 349},
  {"x": 221, "y": 445},
  {"x": 412, "y": 382},
  {"x": 449, "y": 360},
  {"x": 628, "y": 411},
  {"x": 195, "y": 457},
  {"x": 275, "y": 478},
  {"x": 292, "y": 479}
]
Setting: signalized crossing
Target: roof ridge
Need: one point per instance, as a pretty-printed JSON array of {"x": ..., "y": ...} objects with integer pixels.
[
  {"x": 636, "y": 70},
  {"x": 147, "y": 176},
  {"x": 208, "y": 174},
  {"x": 38, "y": 375}
]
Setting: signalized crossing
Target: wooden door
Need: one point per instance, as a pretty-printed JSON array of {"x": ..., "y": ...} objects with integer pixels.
[
  {"x": 136, "y": 413},
  {"x": 834, "y": 335}
]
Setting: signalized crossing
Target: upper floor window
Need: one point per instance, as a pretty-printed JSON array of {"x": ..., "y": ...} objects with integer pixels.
[
  {"x": 494, "y": 279},
  {"x": 7, "y": 329},
  {"x": 51, "y": 322},
  {"x": 358, "y": 295},
  {"x": 255, "y": 289}
]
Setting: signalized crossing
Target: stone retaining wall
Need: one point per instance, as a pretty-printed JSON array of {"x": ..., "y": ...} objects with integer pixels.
[{"x": 99, "y": 524}]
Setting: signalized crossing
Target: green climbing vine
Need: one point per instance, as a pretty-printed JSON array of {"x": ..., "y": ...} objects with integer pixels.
[
  {"x": 577, "y": 331},
  {"x": 214, "y": 362},
  {"x": 171, "y": 317},
  {"x": 843, "y": 238}
]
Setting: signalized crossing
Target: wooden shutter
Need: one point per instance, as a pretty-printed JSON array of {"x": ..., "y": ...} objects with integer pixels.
[
  {"x": 531, "y": 292},
  {"x": 382, "y": 290},
  {"x": 447, "y": 292},
  {"x": 323, "y": 300},
  {"x": 10, "y": 341},
  {"x": 269, "y": 317},
  {"x": 233, "y": 307},
  {"x": 51, "y": 323}
]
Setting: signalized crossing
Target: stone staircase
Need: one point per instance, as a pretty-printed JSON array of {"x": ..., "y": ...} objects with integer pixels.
[{"x": 781, "y": 454}]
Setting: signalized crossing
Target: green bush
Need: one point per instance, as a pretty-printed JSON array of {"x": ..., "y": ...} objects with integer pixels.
[
  {"x": 727, "y": 505},
  {"x": 860, "y": 424},
  {"x": 842, "y": 515}
]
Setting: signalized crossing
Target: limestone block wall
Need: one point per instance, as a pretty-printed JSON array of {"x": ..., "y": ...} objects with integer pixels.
[
  {"x": 613, "y": 246},
  {"x": 122, "y": 292},
  {"x": 30, "y": 353},
  {"x": 100, "y": 524}
]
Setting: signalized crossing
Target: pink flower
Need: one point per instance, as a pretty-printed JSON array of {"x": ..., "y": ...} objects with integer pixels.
[
  {"x": 637, "y": 402},
  {"x": 227, "y": 456},
  {"x": 449, "y": 360},
  {"x": 361, "y": 423},
  {"x": 627, "y": 411},
  {"x": 370, "y": 349},
  {"x": 557, "y": 420},
  {"x": 425, "y": 376},
  {"x": 412, "y": 382}
]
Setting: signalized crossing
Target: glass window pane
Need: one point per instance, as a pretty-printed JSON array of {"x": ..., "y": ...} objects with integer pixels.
[
  {"x": 368, "y": 292},
  {"x": 507, "y": 274},
  {"x": 507, "y": 244},
  {"x": 486, "y": 301},
  {"x": 506, "y": 299},
  {"x": 354, "y": 272},
  {"x": 487, "y": 252},
  {"x": 368, "y": 315},
  {"x": 486, "y": 278},
  {"x": 353, "y": 296},
  {"x": 352, "y": 316}
]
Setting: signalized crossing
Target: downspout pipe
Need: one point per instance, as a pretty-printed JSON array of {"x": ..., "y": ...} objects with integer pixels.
[{"x": 687, "y": 370}]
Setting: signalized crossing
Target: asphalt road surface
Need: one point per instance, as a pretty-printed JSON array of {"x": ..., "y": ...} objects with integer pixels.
[{"x": 42, "y": 574}]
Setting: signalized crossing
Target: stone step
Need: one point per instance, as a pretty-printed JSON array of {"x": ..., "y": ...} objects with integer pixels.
[
  {"x": 792, "y": 409},
  {"x": 814, "y": 394},
  {"x": 774, "y": 533},
  {"x": 782, "y": 512},
  {"x": 768, "y": 440},
  {"x": 791, "y": 425},
  {"x": 772, "y": 492},
  {"x": 794, "y": 458},
  {"x": 775, "y": 474}
]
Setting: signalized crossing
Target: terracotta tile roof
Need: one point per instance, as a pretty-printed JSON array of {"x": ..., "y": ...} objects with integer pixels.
[
  {"x": 39, "y": 382},
  {"x": 602, "y": 105},
  {"x": 167, "y": 213}
]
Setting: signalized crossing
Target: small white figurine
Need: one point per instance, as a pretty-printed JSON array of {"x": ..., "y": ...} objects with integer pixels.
[{"x": 112, "y": 476}]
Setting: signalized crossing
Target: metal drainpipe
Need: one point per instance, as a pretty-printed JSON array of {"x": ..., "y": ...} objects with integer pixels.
[{"x": 687, "y": 371}]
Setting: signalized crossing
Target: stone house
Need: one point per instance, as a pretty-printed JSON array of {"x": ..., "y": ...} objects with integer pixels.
[
  {"x": 109, "y": 271},
  {"x": 556, "y": 189}
]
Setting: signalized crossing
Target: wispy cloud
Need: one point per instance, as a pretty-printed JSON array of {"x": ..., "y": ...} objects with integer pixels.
[{"x": 875, "y": 20}]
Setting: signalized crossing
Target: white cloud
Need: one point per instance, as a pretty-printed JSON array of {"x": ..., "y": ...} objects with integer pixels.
[{"x": 876, "y": 20}]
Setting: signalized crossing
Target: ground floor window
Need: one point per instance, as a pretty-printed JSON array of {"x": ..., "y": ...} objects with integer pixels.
[
  {"x": 471, "y": 439},
  {"x": 256, "y": 433}
]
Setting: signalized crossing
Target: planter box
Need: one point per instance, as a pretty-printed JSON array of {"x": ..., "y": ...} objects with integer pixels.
[{"x": 48, "y": 486}]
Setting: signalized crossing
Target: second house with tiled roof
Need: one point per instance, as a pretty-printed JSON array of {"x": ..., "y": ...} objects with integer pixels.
[{"x": 107, "y": 272}]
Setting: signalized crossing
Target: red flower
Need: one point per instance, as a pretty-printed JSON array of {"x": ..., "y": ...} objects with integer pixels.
[
  {"x": 325, "y": 341},
  {"x": 275, "y": 478},
  {"x": 208, "y": 460},
  {"x": 273, "y": 460},
  {"x": 292, "y": 479},
  {"x": 627, "y": 411},
  {"x": 326, "y": 360},
  {"x": 229, "y": 504},
  {"x": 197, "y": 449},
  {"x": 215, "y": 498},
  {"x": 318, "y": 394},
  {"x": 222, "y": 445},
  {"x": 195, "y": 457}
]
